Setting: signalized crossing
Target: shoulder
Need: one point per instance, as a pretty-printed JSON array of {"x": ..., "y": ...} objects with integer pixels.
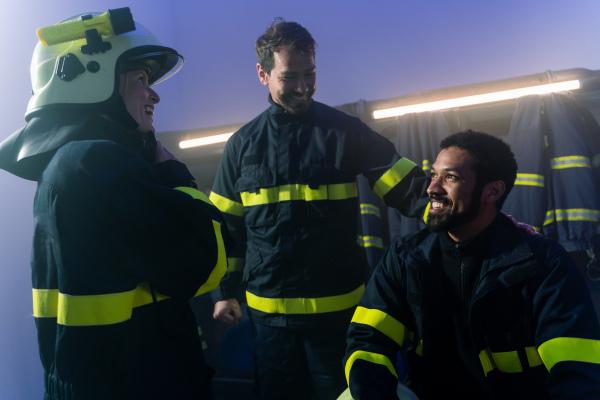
[{"x": 335, "y": 117}]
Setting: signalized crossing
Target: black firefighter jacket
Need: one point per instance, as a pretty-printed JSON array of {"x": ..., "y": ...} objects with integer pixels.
[
  {"x": 532, "y": 322},
  {"x": 287, "y": 187},
  {"x": 117, "y": 254}
]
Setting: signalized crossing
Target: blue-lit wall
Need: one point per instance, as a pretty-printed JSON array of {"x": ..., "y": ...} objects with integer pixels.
[{"x": 368, "y": 50}]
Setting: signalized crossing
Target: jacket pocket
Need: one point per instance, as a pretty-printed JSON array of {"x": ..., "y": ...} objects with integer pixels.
[
  {"x": 257, "y": 186},
  {"x": 315, "y": 177}
]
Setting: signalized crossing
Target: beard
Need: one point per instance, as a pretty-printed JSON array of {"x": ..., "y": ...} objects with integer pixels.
[
  {"x": 291, "y": 99},
  {"x": 445, "y": 222}
]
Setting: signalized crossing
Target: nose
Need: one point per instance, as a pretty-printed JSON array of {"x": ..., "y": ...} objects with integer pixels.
[
  {"x": 435, "y": 187},
  {"x": 302, "y": 86},
  {"x": 154, "y": 96}
]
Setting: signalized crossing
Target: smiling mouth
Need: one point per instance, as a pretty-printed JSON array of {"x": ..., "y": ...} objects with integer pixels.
[
  {"x": 438, "y": 203},
  {"x": 149, "y": 111}
]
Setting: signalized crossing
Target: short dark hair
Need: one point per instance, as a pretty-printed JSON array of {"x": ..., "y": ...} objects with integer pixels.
[
  {"x": 290, "y": 35},
  {"x": 493, "y": 160}
]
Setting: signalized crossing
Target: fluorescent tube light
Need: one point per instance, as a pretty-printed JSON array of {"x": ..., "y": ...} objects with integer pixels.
[
  {"x": 186, "y": 144},
  {"x": 477, "y": 99}
]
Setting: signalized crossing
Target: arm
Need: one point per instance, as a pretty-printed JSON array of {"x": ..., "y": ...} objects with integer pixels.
[
  {"x": 229, "y": 202},
  {"x": 376, "y": 333},
  {"x": 398, "y": 181},
  {"x": 177, "y": 236},
  {"x": 568, "y": 333}
]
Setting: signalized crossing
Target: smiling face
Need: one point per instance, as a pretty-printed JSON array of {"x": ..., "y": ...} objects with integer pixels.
[
  {"x": 454, "y": 194},
  {"x": 139, "y": 98},
  {"x": 293, "y": 79}
]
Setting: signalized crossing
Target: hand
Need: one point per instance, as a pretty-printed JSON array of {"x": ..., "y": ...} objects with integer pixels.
[
  {"x": 163, "y": 154},
  {"x": 522, "y": 226},
  {"x": 228, "y": 311}
]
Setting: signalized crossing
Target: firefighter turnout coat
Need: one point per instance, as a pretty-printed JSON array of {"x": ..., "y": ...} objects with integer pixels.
[
  {"x": 287, "y": 187},
  {"x": 532, "y": 322},
  {"x": 120, "y": 246}
]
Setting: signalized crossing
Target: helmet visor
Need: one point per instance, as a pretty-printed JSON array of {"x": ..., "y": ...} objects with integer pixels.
[{"x": 160, "y": 62}]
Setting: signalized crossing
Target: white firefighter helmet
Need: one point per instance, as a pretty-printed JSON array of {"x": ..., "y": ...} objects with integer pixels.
[{"x": 77, "y": 63}]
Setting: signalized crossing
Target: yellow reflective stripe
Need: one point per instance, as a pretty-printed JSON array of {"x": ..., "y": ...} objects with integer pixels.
[
  {"x": 100, "y": 309},
  {"x": 530, "y": 180},
  {"x": 370, "y": 241},
  {"x": 220, "y": 268},
  {"x": 227, "y": 206},
  {"x": 305, "y": 305},
  {"x": 370, "y": 357},
  {"x": 45, "y": 303},
  {"x": 426, "y": 166},
  {"x": 508, "y": 361},
  {"x": 533, "y": 357},
  {"x": 573, "y": 214},
  {"x": 366, "y": 208},
  {"x": 596, "y": 161},
  {"x": 426, "y": 213},
  {"x": 143, "y": 295},
  {"x": 235, "y": 264},
  {"x": 103, "y": 309},
  {"x": 336, "y": 191},
  {"x": 569, "y": 349},
  {"x": 195, "y": 193},
  {"x": 381, "y": 321},
  {"x": 393, "y": 176},
  {"x": 570, "y": 162}
]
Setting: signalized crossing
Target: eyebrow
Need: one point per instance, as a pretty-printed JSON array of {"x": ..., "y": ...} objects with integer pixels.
[{"x": 290, "y": 73}]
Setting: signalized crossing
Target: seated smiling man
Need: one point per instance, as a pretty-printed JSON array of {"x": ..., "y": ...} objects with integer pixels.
[{"x": 478, "y": 308}]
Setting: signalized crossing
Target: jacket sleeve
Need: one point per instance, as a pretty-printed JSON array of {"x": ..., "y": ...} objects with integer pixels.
[
  {"x": 401, "y": 183},
  {"x": 228, "y": 200},
  {"x": 376, "y": 333},
  {"x": 568, "y": 333},
  {"x": 171, "y": 237}
]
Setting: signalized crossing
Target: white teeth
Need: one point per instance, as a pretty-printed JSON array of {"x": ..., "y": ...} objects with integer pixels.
[{"x": 149, "y": 110}]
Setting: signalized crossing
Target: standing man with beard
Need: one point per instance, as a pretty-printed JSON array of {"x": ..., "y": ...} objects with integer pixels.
[
  {"x": 287, "y": 187},
  {"x": 480, "y": 309}
]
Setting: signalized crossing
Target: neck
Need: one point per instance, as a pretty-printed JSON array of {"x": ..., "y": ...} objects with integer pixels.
[{"x": 471, "y": 229}]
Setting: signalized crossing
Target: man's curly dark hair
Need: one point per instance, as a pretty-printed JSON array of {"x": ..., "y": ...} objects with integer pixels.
[{"x": 493, "y": 160}]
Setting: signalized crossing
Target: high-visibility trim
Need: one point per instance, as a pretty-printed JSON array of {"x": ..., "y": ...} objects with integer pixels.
[
  {"x": 569, "y": 349},
  {"x": 336, "y": 191},
  {"x": 103, "y": 309},
  {"x": 195, "y": 193},
  {"x": 220, "y": 268},
  {"x": 45, "y": 303},
  {"x": 426, "y": 166},
  {"x": 393, "y": 176},
  {"x": 573, "y": 214},
  {"x": 426, "y": 213},
  {"x": 570, "y": 162},
  {"x": 235, "y": 264},
  {"x": 369, "y": 357},
  {"x": 530, "y": 180},
  {"x": 366, "y": 208},
  {"x": 508, "y": 361},
  {"x": 381, "y": 321},
  {"x": 370, "y": 241},
  {"x": 305, "y": 305},
  {"x": 227, "y": 206},
  {"x": 596, "y": 161}
]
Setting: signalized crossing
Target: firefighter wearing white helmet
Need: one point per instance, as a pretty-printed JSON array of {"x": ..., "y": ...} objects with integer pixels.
[{"x": 122, "y": 238}]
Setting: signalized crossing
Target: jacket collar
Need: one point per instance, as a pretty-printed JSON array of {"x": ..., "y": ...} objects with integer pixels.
[{"x": 283, "y": 115}]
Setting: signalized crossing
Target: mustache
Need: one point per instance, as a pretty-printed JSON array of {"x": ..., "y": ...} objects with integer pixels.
[{"x": 440, "y": 199}]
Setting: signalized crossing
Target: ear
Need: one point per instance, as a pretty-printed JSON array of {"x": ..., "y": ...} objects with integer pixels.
[
  {"x": 493, "y": 191},
  {"x": 262, "y": 75}
]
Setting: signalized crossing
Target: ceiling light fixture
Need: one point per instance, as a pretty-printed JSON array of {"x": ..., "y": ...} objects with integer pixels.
[
  {"x": 186, "y": 144},
  {"x": 477, "y": 99}
]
